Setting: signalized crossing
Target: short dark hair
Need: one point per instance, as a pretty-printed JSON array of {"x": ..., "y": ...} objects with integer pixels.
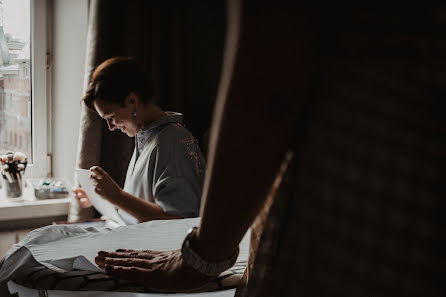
[{"x": 114, "y": 79}]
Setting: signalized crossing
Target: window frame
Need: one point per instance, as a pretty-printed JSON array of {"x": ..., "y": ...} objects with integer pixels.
[{"x": 40, "y": 140}]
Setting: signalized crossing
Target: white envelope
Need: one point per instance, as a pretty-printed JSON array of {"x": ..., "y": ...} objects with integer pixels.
[{"x": 103, "y": 206}]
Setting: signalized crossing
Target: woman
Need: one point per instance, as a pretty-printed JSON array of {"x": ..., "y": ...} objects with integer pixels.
[{"x": 165, "y": 175}]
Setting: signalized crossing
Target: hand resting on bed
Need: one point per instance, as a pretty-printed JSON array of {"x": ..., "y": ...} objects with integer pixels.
[{"x": 162, "y": 271}]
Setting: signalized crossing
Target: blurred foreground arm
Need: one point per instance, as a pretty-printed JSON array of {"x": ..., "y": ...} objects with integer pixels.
[
  {"x": 265, "y": 81},
  {"x": 265, "y": 78}
]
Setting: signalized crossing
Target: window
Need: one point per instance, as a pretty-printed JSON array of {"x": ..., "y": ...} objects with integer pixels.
[{"x": 23, "y": 81}]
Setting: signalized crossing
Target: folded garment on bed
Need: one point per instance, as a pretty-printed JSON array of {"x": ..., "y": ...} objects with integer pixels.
[{"x": 61, "y": 257}]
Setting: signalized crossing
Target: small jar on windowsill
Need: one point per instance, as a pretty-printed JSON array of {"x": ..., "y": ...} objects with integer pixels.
[
  {"x": 12, "y": 167},
  {"x": 13, "y": 188}
]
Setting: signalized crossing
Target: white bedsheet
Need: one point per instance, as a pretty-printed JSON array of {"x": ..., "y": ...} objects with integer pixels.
[{"x": 63, "y": 248}]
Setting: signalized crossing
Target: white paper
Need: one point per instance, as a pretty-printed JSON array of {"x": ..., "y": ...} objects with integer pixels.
[{"x": 103, "y": 206}]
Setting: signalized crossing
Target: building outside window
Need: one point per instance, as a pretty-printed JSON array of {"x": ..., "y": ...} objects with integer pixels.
[
  {"x": 23, "y": 72},
  {"x": 14, "y": 59}
]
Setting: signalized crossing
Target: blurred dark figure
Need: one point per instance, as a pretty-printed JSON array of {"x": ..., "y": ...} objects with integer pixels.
[{"x": 329, "y": 136}]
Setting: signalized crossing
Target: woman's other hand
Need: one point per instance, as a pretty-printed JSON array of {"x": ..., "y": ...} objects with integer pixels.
[
  {"x": 105, "y": 186},
  {"x": 161, "y": 271},
  {"x": 82, "y": 197}
]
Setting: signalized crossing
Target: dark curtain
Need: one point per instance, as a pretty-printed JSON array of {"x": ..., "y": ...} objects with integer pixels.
[{"x": 179, "y": 44}]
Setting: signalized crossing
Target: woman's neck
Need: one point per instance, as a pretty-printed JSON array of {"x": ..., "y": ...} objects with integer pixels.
[{"x": 149, "y": 114}]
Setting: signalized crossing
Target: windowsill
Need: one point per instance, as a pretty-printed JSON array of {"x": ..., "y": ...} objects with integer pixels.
[{"x": 30, "y": 207}]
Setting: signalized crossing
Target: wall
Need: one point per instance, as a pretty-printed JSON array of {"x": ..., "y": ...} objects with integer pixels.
[
  {"x": 7, "y": 239},
  {"x": 69, "y": 44}
]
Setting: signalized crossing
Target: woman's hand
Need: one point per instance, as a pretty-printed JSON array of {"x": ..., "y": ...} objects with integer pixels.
[
  {"x": 105, "y": 186},
  {"x": 82, "y": 197},
  {"x": 156, "y": 270}
]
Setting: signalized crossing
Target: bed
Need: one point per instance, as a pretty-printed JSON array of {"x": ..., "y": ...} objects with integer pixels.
[{"x": 58, "y": 260}]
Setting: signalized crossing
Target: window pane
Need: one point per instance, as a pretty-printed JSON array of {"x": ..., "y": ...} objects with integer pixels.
[{"x": 15, "y": 77}]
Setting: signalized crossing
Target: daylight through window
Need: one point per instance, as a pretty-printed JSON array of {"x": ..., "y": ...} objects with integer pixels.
[{"x": 15, "y": 77}]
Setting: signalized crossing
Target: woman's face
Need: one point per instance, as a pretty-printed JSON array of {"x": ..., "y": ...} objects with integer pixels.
[{"x": 118, "y": 116}]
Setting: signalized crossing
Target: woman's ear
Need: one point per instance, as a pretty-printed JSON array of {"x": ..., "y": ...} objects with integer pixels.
[{"x": 132, "y": 100}]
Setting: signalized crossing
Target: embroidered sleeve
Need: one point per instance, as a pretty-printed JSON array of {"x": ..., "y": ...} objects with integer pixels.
[{"x": 190, "y": 144}]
